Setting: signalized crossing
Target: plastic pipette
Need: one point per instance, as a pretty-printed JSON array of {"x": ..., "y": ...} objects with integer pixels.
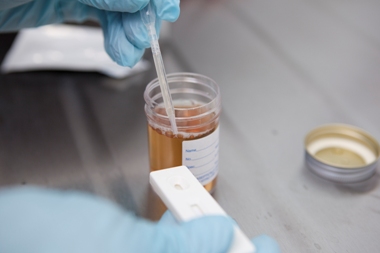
[{"x": 148, "y": 17}]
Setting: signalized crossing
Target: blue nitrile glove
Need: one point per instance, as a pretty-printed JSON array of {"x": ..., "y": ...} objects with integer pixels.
[
  {"x": 263, "y": 243},
  {"x": 36, "y": 220},
  {"x": 125, "y": 35}
]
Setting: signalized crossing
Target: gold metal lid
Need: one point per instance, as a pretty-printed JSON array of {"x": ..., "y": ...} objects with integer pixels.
[{"x": 342, "y": 153}]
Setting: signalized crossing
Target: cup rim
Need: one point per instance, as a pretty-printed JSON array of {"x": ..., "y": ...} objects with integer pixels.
[{"x": 214, "y": 103}]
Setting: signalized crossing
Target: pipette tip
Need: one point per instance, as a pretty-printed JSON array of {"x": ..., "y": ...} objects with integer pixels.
[{"x": 173, "y": 124}]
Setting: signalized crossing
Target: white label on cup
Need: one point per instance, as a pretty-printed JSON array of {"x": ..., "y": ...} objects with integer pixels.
[{"x": 201, "y": 156}]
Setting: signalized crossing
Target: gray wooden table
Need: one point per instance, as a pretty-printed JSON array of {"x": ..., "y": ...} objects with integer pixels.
[{"x": 284, "y": 67}]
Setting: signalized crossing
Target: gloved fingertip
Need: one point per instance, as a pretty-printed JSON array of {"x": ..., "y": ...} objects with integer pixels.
[
  {"x": 135, "y": 30},
  {"x": 266, "y": 244},
  {"x": 132, "y": 58},
  {"x": 138, "y": 39},
  {"x": 169, "y": 12},
  {"x": 126, "y": 59}
]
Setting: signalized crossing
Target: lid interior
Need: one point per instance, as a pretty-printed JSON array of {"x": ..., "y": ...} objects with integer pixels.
[{"x": 342, "y": 146}]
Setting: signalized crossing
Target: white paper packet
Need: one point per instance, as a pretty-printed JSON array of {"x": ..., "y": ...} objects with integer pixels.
[{"x": 64, "y": 47}]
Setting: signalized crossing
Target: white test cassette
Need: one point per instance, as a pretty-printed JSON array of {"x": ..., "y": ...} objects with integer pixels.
[{"x": 187, "y": 199}]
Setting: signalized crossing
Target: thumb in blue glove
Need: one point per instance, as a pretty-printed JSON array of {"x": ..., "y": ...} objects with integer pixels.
[{"x": 38, "y": 220}]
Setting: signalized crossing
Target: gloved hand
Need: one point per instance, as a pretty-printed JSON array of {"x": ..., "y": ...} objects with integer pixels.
[
  {"x": 125, "y": 36},
  {"x": 35, "y": 220},
  {"x": 263, "y": 243},
  {"x": 38, "y": 220}
]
